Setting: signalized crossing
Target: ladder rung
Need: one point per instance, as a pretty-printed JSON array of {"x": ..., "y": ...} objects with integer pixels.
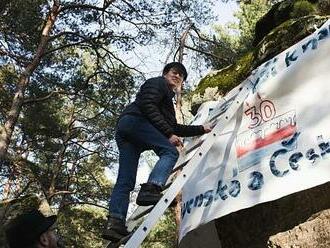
[
  {"x": 143, "y": 213},
  {"x": 221, "y": 111},
  {"x": 179, "y": 167},
  {"x": 217, "y": 115},
  {"x": 147, "y": 210},
  {"x": 194, "y": 147}
]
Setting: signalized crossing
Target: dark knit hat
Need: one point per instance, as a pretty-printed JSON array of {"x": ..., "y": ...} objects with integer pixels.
[
  {"x": 26, "y": 229},
  {"x": 178, "y": 66}
]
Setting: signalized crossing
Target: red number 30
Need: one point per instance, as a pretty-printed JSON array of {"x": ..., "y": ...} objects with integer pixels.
[{"x": 266, "y": 112}]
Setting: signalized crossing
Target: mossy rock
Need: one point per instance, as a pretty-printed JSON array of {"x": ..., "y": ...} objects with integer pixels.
[
  {"x": 279, "y": 13},
  {"x": 324, "y": 7},
  {"x": 286, "y": 10},
  {"x": 286, "y": 35},
  {"x": 222, "y": 81},
  {"x": 282, "y": 31},
  {"x": 302, "y": 8}
]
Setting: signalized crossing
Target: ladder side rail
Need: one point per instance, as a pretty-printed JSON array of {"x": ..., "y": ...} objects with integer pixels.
[{"x": 143, "y": 230}]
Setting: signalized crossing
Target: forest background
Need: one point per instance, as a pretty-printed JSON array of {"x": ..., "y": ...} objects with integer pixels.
[{"x": 64, "y": 78}]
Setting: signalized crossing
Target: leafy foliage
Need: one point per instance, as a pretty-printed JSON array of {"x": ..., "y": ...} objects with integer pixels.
[
  {"x": 302, "y": 8},
  {"x": 163, "y": 235},
  {"x": 235, "y": 39},
  {"x": 73, "y": 83},
  {"x": 81, "y": 226}
]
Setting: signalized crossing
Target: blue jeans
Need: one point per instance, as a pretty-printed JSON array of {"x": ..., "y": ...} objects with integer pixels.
[{"x": 134, "y": 135}]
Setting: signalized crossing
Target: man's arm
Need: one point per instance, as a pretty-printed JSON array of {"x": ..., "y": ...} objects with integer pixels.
[{"x": 191, "y": 130}]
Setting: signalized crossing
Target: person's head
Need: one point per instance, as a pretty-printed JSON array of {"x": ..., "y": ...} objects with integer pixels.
[
  {"x": 32, "y": 230},
  {"x": 175, "y": 73}
]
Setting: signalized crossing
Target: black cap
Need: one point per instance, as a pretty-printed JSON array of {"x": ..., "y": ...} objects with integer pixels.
[
  {"x": 26, "y": 229},
  {"x": 176, "y": 65}
]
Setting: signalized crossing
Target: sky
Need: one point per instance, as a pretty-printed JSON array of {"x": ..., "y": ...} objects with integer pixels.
[{"x": 150, "y": 60}]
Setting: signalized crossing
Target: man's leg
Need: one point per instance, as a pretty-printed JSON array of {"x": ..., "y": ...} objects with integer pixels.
[
  {"x": 128, "y": 162},
  {"x": 153, "y": 139}
]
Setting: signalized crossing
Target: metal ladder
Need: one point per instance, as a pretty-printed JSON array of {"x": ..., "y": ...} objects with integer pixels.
[{"x": 188, "y": 160}]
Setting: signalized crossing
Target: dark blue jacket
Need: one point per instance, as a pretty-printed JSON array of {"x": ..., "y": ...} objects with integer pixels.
[{"x": 154, "y": 102}]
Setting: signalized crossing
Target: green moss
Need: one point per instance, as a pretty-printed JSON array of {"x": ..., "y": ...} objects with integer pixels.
[
  {"x": 299, "y": 23},
  {"x": 302, "y": 8},
  {"x": 227, "y": 78},
  {"x": 286, "y": 35}
]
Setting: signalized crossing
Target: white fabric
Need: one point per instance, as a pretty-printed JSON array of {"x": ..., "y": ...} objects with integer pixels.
[{"x": 276, "y": 144}]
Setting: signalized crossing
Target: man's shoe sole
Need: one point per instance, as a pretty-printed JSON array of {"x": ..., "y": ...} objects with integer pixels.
[
  {"x": 146, "y": 203},
  {"x": 112, "y": 235},
  {"x": 152, "y": 203}
]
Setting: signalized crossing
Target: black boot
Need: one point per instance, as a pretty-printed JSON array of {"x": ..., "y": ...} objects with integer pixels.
[
  {"x": 149, "y": 194},
  {"x": 115, "y": 229}
]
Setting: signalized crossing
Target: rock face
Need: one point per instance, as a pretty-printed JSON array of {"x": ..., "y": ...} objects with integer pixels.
[
  {"x": 301, "y": 219},
  {"x": 284, "y": 25},
  {"x": 298, "y": 220},
  {"x": 315, "y": 232}
]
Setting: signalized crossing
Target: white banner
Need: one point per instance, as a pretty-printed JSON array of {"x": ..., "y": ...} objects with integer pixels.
[{"x": 275, "y": 145}]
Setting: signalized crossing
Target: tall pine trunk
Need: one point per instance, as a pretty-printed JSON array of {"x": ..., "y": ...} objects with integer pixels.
[{"x": 6, "y": 131}]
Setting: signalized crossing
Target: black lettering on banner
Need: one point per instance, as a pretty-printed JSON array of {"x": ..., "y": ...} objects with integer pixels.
[
  {"x": 313, "y": 42},
  {"x": 290, "y": 58},
  {"x": 198, "y": 200},
  {"x": 234, "y": 188},
  {"x": 221, "y": 191},
  {"x": 254, "y": 90},
  {"x": 324, "y": 146},
  {"x": 256, "y": 180},
  {"x": 186, "y": 208},
  {"x": 272, "y": 164},
  {"x": 208, "y": 196},
  {"x": 323, "y": 33},
  {"x": 291, "y": 143},
  {"x": 268, "y": 69},
  {"x": 294, "y": 159},
  {"x": 311, "y": 155}
]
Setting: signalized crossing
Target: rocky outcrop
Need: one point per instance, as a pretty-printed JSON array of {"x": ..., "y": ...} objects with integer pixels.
[
  {"x": 298, "y": 220},
  {"x": 301, "y": 219},
  {"x": 315, "y": 232},
  {"x": 284, "y": 25}
]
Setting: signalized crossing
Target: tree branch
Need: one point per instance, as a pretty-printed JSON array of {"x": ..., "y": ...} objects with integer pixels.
[
  {"x": 85, "y": 203},
  {"x": 86, "y": 6},
  {"x": 206, "y": 53}
]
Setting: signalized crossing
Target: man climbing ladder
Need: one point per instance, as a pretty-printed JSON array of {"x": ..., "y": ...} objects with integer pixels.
[{"x": 148, "y": 123}]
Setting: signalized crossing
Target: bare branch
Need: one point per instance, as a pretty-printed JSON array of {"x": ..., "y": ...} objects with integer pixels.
[
  {"x": 207, "y": 53},
  {"x": 62, "y": 192},
  {"x": 35, "y": 100},
  {"x": 121, "y": 61},
  {"x": 86, "y": 7},
  {"x": 85, "y": 203}
]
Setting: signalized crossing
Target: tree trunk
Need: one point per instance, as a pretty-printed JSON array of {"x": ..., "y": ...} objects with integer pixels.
[
  {"x": 178, "y": 104},
  {"x": 6, "y": 131}
]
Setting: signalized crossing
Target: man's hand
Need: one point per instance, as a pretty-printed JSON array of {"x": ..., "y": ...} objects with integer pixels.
[
  {"x": 175, "y": 140},
  {"x": 207, "y": 127}
]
